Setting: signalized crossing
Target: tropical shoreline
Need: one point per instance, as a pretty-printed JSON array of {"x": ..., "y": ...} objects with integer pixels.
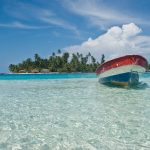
[{"x": 60, "y": 62}]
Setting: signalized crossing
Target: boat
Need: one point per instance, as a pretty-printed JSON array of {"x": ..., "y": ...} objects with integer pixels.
[{"x": 122, "y": 71}]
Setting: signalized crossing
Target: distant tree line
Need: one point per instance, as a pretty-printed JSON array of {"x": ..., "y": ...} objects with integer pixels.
[{"x": 60, "y": 62}]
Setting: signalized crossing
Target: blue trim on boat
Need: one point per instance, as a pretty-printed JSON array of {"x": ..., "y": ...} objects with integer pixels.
[{"x": 129, "y": 78}]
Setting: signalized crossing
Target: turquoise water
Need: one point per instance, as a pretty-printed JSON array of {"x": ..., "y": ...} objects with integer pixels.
[
  {"x": 46, "y": 76},
  {"x": 72, "y": 112}
]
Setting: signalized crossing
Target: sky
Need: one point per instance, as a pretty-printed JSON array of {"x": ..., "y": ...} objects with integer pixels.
[{"x": 110, "y": 27}]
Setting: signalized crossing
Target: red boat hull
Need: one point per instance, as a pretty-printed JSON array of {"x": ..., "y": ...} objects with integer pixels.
[{"x": 123, "y": 70}]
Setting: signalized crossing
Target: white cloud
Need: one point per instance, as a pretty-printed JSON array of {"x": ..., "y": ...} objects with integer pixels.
[
  {"x": 117, "y": 41},
  {"x": 100, "y": 14},
  {"x": 19, "y": 25},
  {"x": 60, "y": 23},
  {"x": 36, "y": 14}
]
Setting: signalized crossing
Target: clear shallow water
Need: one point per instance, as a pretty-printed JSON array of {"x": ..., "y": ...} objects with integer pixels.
[{"x": 73, "y": 114}]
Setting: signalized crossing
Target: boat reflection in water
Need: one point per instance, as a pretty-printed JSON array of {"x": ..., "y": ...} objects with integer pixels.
[{"x": 122, "y": 71}]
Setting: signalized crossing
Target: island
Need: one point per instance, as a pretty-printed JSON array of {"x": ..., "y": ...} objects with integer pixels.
[{"x": 57, "y": 62}]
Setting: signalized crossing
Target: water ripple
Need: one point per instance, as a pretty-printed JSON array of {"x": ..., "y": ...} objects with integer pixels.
[{"x": 73, "y": 114}]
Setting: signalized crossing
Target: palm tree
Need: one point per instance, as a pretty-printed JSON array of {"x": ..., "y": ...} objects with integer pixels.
[
  {"x": 65, "y": 57},
  {"x": 14, "y": 68},
  {"x": 58, "y": 63},
  {"x": 11, "y": 67},
  {"x": 53, "y": 54},
  {"x": 93, "y": 59},
  {"x": 36, "y": 57},
  {"x": 102, "y": 58},
  {"x": 59, "y": 51},
  {"x": 89, "y": 58}
]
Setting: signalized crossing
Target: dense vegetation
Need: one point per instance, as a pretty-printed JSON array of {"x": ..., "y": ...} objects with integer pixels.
[{"x": 57, "y": 63}]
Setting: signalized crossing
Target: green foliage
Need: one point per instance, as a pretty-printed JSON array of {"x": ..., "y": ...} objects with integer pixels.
[
  {"x": 149, "y": 67},
  {"x": 57, "y": 63},
  {"x": 102, "y": 58}
]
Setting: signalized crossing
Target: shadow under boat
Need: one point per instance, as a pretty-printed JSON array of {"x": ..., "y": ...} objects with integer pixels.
[{"x": 139, "y": 86}]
